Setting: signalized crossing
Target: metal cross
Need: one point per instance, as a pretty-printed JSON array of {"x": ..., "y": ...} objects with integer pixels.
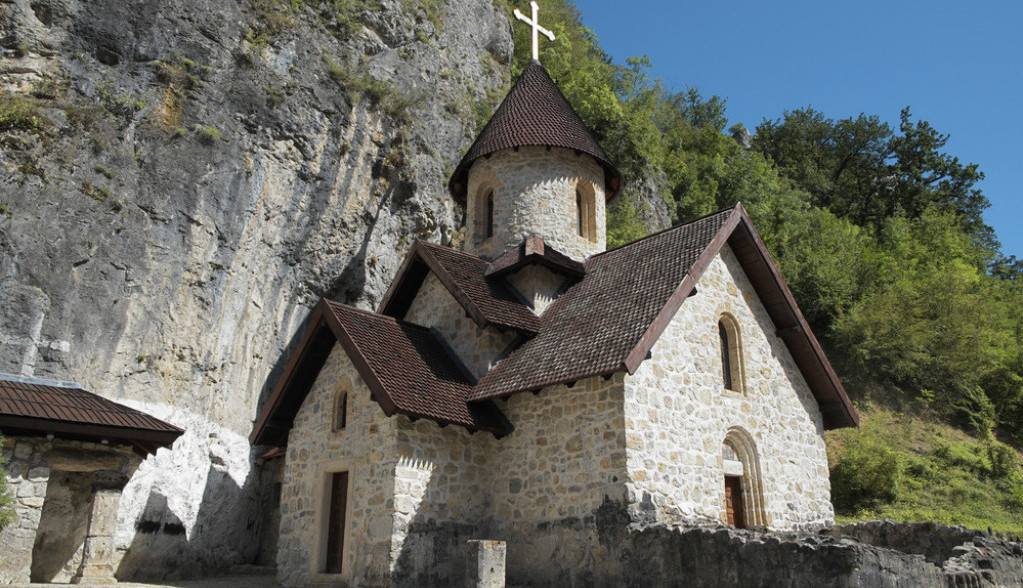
[{"x": 535, "y": 24}]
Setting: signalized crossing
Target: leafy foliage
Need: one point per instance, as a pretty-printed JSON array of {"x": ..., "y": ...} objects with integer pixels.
[
  {"x": 6, "y": 501},
  {"x": 20, "y": 114},
  {"x": 942, "y": 474},
  {"x": 880, "y": 236},
  {"x": 866, "y": 475}
]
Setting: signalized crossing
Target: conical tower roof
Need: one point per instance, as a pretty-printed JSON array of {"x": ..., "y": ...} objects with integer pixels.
[{"x": 534, "y": 112}]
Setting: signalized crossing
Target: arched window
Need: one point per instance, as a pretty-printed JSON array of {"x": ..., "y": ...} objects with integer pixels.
[
  {"x": 484, "y": 215},
  {"x": 585, "y": 219},
  {"x": 726, "y": 353},
  {"x": 731, "y": 355}
]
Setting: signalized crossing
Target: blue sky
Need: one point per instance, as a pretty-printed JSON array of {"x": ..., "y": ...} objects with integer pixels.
[{"x": 957, "y": 65}]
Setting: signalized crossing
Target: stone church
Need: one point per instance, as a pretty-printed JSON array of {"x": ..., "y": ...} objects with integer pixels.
[{"x": 536, "y": 389}]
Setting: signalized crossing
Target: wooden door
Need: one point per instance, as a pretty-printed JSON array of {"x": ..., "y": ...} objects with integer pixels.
[
  {"x": 336, "y": 523},
  {"x": 733, "y": 502}
]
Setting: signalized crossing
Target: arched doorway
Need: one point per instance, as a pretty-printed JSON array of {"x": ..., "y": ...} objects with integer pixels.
[{"x": 743, "y": 492}]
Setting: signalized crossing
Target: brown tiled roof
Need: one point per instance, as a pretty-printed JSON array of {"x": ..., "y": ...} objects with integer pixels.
[
  {"x": 407, "y": 367},
  {"x": 487, "y": 301},
  {"x": 605, "y": 323},
  {"x": 610, "y": 320},
  {"x": 593, "y": 327},
  {"x": 38, "y": 407},
  {"x": 534, "y": 250},
  {"x": 534, "y": 112}
]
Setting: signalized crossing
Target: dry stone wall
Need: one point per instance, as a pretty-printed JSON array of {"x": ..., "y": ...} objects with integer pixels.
[
  {"x": 535, "y": 194},
  {"x": 678, "y": 414}
]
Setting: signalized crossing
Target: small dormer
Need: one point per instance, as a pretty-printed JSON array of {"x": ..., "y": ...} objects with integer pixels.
[
  {"x": 535, "y": 169},
  {"x": 537, "y": 272}
]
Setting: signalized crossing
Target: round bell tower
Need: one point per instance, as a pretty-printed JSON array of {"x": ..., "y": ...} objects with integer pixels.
[{"x": 535, "y": 170}]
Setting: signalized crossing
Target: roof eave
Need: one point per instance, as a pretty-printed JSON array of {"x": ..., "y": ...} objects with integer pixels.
[{"x": 146, "y": 439}]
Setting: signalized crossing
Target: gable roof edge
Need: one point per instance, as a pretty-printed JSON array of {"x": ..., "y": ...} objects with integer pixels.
[
  {"x": 449, "y": 284},
  {"x": 685, "y": 288},
  {"x": 312, "y": 329},
  {"x": 795, "y": 334},
  {"x": 801, "y": 330}
]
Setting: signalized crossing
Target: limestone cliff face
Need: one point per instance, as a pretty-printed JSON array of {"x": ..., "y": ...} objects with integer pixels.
[{"x": 184, "y": 180}]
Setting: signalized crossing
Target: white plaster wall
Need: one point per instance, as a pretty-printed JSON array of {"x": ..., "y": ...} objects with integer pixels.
[
  {"x": 677, "y": 413},
  {"x": 535, "y": 194},
  {"x": 435, "y": 307},
  {"x": 366, "y": 447}
]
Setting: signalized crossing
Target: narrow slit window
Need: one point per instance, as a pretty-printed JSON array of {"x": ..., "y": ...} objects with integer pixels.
[
  {"x": 341, "y": 414},
  {"x": 585, "y": 215},
  {"x": 726, "y": 356},
  {"x": 489, "y": 228},
  {"x": 580, "y": 221}
]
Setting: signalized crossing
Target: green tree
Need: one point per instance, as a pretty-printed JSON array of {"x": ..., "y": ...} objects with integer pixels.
[
  {"x": 859, "y": 169},
  {"x": 935, "y": 324}
]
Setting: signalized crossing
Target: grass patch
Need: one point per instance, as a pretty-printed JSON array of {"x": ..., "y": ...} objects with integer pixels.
[
  {"x": 207, "y": 135},
  {"x": 117, "y": 103},
  {"x": 908, "y": 467},
  {"x": 381, "y": 95},
  {"x": 21, "y": 114}
]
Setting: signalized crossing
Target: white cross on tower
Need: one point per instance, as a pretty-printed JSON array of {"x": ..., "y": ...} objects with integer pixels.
[{"x": 535, "y": 23}]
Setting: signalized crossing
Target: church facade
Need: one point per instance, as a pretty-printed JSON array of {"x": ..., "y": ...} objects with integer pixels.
[{"x": 535, "y": 389}]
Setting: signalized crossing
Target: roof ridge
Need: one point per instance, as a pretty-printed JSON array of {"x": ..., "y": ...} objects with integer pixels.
[
  {"x": 4, "y": 377},
  {"x": 374, "y": 314},
  {"x": 669, "y": 229}
]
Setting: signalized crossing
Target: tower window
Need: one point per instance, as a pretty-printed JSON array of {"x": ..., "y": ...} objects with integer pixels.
[
  {"x": 586, "y": 221},
  {"x": 484, "y": 215},
  {"x": 489, "y": 229}
]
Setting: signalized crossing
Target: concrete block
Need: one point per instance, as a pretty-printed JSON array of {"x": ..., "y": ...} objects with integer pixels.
[{"x": 485, "y": 565}]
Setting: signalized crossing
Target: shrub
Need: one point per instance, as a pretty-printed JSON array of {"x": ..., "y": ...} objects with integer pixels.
[
  {"x": 867, "y": 475},
  {"x": 1001, "y": 460},
  {"x": 19, "y": 114},
  {"x": 6, "y": 502}
]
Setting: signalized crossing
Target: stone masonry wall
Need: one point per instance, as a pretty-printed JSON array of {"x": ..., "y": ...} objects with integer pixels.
[
  {"x": 435, "y": 307},
  {"x": 678, "y": 413},
  {"x": 366, "y": 449},
  {"x": 27, "y": 477},
  {"x": 548, "y": 479},
  {"x": 538, "y": 489},
  {"x": 535, "y": 194},
  {"x": 51, "y": 482},
  {"x": 538, "y": 285},
  {"x": 440, "y": 498}
]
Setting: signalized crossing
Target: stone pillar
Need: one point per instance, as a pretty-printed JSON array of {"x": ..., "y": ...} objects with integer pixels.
[
  {"x": 485, "y": 567},
  {"x": 97, "y": 565},
  {"x": 27, "y": 480}
]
